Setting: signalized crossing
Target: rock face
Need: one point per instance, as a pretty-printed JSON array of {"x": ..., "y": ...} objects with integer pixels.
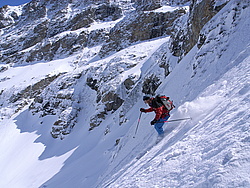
[
  {"x": 40, "y": 27},
  {"x": 186, "y": 37},
  {"x": 147, "y": 5},
  {"x": 46, "y": 30},
  {"x": 140, "y": 26}
]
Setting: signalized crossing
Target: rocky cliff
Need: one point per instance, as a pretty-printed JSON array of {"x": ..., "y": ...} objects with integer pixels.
[{"x": 43, "y": 31}]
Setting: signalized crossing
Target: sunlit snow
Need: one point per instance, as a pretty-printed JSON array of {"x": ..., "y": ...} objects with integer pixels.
[{"x": 211, "y": 150}]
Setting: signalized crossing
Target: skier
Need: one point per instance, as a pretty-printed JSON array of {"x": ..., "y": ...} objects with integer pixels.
[{"x": 161, "y": 113}]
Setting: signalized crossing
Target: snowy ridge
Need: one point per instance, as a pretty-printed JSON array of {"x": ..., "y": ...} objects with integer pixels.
[
  {"x": 212, "y": 102},
  {"x": 216, "y": 141},
  {"x": 211, "y": 84}
]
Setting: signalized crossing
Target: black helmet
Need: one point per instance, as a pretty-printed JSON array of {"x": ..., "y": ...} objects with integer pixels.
[{"x": 146, "y": 98}]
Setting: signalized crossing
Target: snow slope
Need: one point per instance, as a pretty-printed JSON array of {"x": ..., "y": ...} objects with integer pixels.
[
  {"x": 211, "y": 150},
  {"x": 19, "y": 165}
]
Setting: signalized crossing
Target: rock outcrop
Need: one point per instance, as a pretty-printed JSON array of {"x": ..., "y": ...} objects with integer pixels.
[
  {"x": 186, "y": 37},
  {"x": 46, "y": 30}
]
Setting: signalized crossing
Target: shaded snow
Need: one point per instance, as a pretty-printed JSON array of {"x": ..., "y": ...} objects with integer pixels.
[{"x": 19, "y": 164}]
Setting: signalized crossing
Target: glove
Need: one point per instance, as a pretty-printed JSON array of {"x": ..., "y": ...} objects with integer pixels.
[
  {"x": 142, "y": 110},
  {"x": 153, "y": 122}
]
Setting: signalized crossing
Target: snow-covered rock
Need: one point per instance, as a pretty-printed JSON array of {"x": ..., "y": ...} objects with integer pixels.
[{"x": 72, "y": 77}]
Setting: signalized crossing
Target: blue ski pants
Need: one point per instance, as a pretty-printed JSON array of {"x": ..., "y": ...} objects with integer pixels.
[{"x": 159, "y": 124}]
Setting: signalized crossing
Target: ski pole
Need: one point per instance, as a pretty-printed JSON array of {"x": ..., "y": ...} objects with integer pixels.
[
  {"x": 178, "y": 119},
  {"x": 139, "y": 119}
]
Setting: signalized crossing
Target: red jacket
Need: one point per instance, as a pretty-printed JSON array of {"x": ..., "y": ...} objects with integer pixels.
[{"x": 160, "y": 112}]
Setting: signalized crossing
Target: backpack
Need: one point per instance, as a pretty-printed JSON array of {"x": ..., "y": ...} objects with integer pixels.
[{"x": 165, "y": 101}]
